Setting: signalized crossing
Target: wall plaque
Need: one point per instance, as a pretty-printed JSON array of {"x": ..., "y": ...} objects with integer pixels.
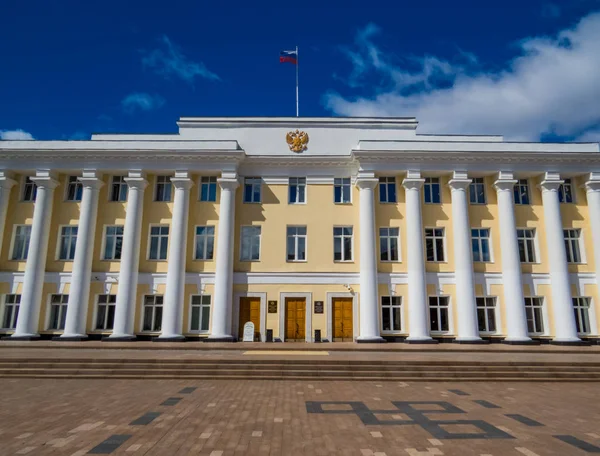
[
  {"x": 272, "y": 307},
  {"x": 318, "y": 307}
]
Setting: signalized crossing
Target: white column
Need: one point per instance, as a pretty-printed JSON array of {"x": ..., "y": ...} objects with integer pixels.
[
  {"x": 514, "y": 301},
  {"x": 6, "y": 185},
  {"x": 468, "y": 330},
  {"x": 79, "y": 293},
  {"x": 565, "y": 330},
  {"x": 33, "y": 282},
  {"x": 172, "y": 319},
  {"x": 592, "y": 187},
  {"x": 130, "y": 258},
  {"x": 417, "y": 284},
  {"x": 369, "y": 296},
  {"x": 221, "y": 308}
]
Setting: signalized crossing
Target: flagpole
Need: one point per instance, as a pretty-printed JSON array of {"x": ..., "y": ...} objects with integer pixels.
[{"x": 297, "y": 63}]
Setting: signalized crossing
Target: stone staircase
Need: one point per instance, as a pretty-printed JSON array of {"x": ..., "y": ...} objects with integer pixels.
[{"x": 298, "y": 369}]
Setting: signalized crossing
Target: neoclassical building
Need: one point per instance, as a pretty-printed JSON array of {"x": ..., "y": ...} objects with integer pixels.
[{"x": 333, "y": 229}]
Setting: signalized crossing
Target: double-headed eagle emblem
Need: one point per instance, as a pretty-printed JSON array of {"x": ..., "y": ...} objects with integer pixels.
[{"x": 297, "y": 140}]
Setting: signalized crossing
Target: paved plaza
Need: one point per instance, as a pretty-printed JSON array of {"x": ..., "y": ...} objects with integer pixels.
[{"x": 185, "y": 417}]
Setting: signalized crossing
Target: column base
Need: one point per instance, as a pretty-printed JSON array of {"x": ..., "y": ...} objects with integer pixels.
[
  {"x": 224, "y": 338},
  {"x": 26, "y": 337},
  {"x": 70, "y": 338},
  {"x": 124, "y": 338},
  {"x": 580, "y": 343},
  {"x": 418, "y": 340},
  {"x": 520, "y": 342},
  {"x": 471, "y": 341},
  {"x": 370, "y": 340},
  {"x": 169, "y": 339}
]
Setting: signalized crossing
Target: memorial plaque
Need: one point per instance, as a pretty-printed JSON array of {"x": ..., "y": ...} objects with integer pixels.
[
  {"x": 272, "y": 307},
  {"x": 248, "y": 332},
  {"x": 318, "y": 307}
]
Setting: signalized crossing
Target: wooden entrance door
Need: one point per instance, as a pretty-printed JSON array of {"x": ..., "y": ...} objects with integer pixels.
[
  {"x": 342, "y": 320},
  {"x": 295, "y": 319},
  {"x": 249, "y": 311}
]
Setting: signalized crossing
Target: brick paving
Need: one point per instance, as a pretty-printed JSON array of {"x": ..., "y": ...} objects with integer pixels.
[{"x": 142, "y": 417}]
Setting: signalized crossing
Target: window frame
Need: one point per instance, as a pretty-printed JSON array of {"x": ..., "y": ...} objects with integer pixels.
[
  {"x": 428, "y": 189},
  {"x": 210, "y": 180},
  {"x": 387, "y": 182},
  {"x": 107, "y": 304},
  {"x": 77, "y": 192},
  {"x": 480, "y": 244},
  {"x": 342, "y": 184},
  {"x": 448, "y": 316},
  {"x": 154, "y": 307},
  {"x": 207, "y": 236},
  {"x": 252, "y": 182},
  {"x": 574, "y": 241},
  {"x": 62, "y": 311},
  {"x": 104, "y": 238},
  {"x": 390, "y": 308},
  {"x": 577, "y": 307},
  {"x": 160, "y": 236},
  {"x": 297, "y": 184},
  {"x": 542, "y": 307},
  {"x": 389, "y": 250},
  {"x": 242, "y": 243},
  {"x": 201, "y": 305},
  {"x": 474, "y": 185},
  {"x": 343, "y": 236},
  {"x": 13, "y": 243},
  {"x": 158, "y": 181},
  {"x": 295, "y": 238},
  {"x": 518, "y": 192},
  {"x": 61, "y": 238},
  {"x": 561, "y": 191},
  {"x": 433, "y": 239},
  {"x": 26, "y": 180},
  {"x": 15, "y": 306},
  {"x": 526, "y": 240},
  {"x": 485, "y": 308},
  {"x": 120, "y": 185}
]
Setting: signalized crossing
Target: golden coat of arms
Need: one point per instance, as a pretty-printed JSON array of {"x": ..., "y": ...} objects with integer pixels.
[{"x": 297, "y": 140}]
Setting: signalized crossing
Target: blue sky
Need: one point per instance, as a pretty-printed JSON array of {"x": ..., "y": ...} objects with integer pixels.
[{"x": 527, "y": 69}]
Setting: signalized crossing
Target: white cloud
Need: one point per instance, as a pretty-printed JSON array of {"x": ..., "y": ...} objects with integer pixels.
[
  {"x": 552, "y": 86},
  {"x": 141, "y": 102},
  {"x": 169, "y": 61},
  {"x": 15, "y": 135}
]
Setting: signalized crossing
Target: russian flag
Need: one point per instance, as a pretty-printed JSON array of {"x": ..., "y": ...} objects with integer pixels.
[{"x": 288, "y": 56}]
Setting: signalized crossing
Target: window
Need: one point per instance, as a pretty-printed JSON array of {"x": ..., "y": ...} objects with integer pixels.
[
  {"x": 58, "y": 311},
  {"x": 486, "y": 314},
  {"x": 438, "y": 313},
  {"x": 250, "y": 243},
  {"x": 477, "y": 191},
  {"x": 208, "y": 188},
  {"x": 342, "y": 243},
  {"x": 11, "y": 311},
  {"x": 389, "y": 239},
  {"x": 434, "y": 244},
  {"x": 153, "y": 308},
  {"x": 297, "y": 190},
  {"x": 526, "y": 238},
  {"x": 118, "y": 190},
  {"x": 391, "y": 313},
  {"x": 432, "y": 190},
  {"x": 521, "y": 192},
  {"x": 565, "y": 192},
  {"x": 387, "y": 189},
  {"x": 581, "y": 307},
  {"x": 296, "y": 243},
  {"x": 572, "y": 245},
  {"x": 341, "y": 190},
  {"x": 159, "y": 241},
  {"x": 29, "y": 189},
  {"x": 74, "y": 189},
  {"x": 68, "y": 240},
  {"x": 21, "y": 242},
  {"x": 105, "y": 316},
  {"x": 162, "y": 191},
  {"x": 252, "y": 189},
  {"x": 535, "y": 317},
  {"x": 205, "y": 242},
  {"x": 480, "y": 239},
  {"x": 200, "y": 313},
  {"x": 113, "y": 242}
]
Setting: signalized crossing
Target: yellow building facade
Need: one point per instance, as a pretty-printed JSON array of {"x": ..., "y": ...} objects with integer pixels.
[{"x": 312, "y": 229}]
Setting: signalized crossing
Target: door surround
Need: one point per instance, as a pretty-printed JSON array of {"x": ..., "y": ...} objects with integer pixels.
[
  {"x": 235, "y": 322},
  {"x": 308, "y": 317},
  {"x": 355, "y": 323}
]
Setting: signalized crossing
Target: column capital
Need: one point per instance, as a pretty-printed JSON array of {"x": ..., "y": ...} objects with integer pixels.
[
  {"x": 45, "y": 182},
  {"x": 593, "y": 182},
  {"x": 366, "y": 183},
  {"x": 460, "y": 180},
  {"x": 182, "y": 182},
  {"x": 136, "y": 182},
  {"x": 227, "y": 183},
  {"x": 413, "y": 183},
  {"x": 91, "y": 180},
  {"x": 505, "y": 185},
  {"x": 6, "y": 183},
  {"x": 551, "y": 185}
]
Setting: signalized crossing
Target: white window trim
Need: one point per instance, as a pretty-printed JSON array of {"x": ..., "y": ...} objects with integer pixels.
[
  {"x": 259, "y": 244},
  {"x": 142, "y": 331},
  {"x": 573, "y": 191},
  {"x": 214, "y": 242},
  {"x": 402, "y": 329},
  {"x": 450, "y": 316},
  {"x": 489, "y": 238},
  {"x": 155, "y": 189},
  {"x": 545, "y": 318},
  {"x": 399, "y": 260},
  {"x": 580, "y": 244},
  {"x": 439, "y": 183},
  {"x": 351, "y": 197},
  {"x": 386, "y": 184},
  {"x": 351, "y": 244},
  {"x": 485, "y": 195},
  {"x": 296, "y": 244},
  {"x": 13, "y": 239},
  {"x": 103, "y": 244},
  {"x": 22, "y": 190},
  {"x": 66, "y": 198},
  {"x": 200, "y": 189},
  {"x": 261, "y": 183},
  {"x": 536, "y": 245},
  {"x": 444, "y": 243},
  {"x": 3, "y": 308},
  {"x": 110, "y": 189},
  {"x": 49, "y": 312},
  {"x": 496, "y": 315},
  {"x": 59, "y": 243},
  {"x": 528, "y": 192},
  {"x": 210, "y": 315},
  {"x": 305, "y": 191},
  {"x": 150, "y": 241},
  {"x": 95, "y": 315}
]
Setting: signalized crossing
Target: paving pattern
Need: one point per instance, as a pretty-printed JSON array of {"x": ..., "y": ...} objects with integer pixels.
[{"x": 221, "y": 418}]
